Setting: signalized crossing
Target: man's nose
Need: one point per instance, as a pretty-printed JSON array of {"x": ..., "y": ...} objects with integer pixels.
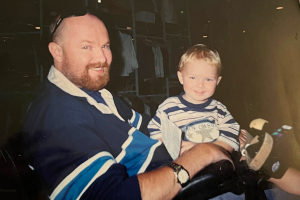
[{"x": 99, "y": 56}]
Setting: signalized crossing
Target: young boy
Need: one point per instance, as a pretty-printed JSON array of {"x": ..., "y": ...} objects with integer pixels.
[
  {"x": 203, "y": 119},
  {"x": 200, "y": 118}
]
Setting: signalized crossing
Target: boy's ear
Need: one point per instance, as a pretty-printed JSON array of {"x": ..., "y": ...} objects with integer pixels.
[
  {"x": 179, "y": 74},
  {"x": 56, "y": 51},
  {"x": 219, "y": 79}
]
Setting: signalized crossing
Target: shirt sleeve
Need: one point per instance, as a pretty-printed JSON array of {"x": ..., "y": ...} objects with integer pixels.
[
  {"x": 74, "y": 161},
  {"x": 154, "y": 126},
  {"x": 135, "y": 119},
  {"x": 228, "y": 127}
]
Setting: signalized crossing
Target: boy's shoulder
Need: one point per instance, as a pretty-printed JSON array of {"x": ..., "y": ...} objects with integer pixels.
[
  {"x": 217, "y": 103},
  {"x": 170, "y": 102}
]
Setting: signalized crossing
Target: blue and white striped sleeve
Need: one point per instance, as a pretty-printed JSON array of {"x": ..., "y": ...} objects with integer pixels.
[
  {"x": 154, "y": 125},
  {"x": 73, "y": 160},
  {"x": 98, "y": 178},
  {"x": 228, "y": 127}
]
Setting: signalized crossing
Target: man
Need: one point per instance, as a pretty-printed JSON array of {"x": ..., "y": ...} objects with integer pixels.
[{"x": 80, "y": 138}]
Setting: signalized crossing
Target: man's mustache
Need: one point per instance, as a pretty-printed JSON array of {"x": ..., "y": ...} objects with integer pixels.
[{"x": 97, "y": 65}]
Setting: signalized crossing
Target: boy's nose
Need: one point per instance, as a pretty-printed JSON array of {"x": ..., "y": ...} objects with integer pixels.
[{"x": 200, "y": 83}]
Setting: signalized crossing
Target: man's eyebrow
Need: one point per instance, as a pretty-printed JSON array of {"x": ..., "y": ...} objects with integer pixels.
[
  {"x": 91, "y": 42},
  {"x": 87, "y": 41}
]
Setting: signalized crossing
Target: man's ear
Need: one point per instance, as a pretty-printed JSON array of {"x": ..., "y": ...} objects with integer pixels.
[
  {"x": 179, "y": 74},
  {"x": 56, "y": 51},
  {"x": 219, "y": 79}
]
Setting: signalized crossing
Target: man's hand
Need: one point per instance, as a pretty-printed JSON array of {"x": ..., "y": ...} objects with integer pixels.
[{"x": 160, "y": 184}]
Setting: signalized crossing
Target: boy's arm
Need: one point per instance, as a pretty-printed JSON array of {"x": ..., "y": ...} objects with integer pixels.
[
  {"x": 229, "y": 131},
  {"x": 154, "y": 126}
]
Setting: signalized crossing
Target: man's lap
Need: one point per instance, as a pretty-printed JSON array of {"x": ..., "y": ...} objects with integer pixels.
[{"x": 271, "y": 194}]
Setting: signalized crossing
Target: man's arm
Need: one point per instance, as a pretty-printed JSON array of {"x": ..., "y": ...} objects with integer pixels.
[
  {"x": 224, "y": 145},
  {"x": 290, "y": 182},
  {"x": 160, "y": 183}
]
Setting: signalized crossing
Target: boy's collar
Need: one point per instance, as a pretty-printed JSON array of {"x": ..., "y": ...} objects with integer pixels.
[{"x": 192, "y": 105}]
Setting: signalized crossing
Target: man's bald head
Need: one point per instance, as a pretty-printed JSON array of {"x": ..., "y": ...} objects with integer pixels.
[
  {"x": 57, "y": 36},
  {"x": 81, "y": 51}
]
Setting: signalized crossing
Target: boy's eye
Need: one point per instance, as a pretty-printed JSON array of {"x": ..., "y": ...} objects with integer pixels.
[
  {"x": 85, "y": 47},
  {"x": 192, "y": 77},
  {"x": 209, "y": 79}
]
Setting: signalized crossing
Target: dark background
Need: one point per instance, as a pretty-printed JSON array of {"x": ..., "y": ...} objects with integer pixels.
[{"x": 259, "y": 47}]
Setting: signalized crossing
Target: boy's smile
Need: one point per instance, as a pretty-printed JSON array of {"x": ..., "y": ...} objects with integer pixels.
[{"x": 199, "y": 79}]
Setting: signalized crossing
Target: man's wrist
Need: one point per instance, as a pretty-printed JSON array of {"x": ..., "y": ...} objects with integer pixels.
[{"x": 181, "y": 175}]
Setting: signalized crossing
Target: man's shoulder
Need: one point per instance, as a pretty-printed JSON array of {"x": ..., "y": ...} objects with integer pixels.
[
  {"x": 51, "y": 100},
  {"x": 52, "y": 107},
  {"x": 49, "y": 94}
]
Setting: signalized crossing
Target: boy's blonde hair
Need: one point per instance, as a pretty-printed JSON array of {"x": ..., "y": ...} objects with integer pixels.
[{"x": 201, "y": 52}]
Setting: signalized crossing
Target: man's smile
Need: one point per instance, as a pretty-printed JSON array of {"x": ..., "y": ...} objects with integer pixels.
[{"x": 98, "y": 69}]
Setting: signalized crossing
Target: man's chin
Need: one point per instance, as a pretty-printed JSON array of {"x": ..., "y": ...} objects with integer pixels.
[{"x": 95, "y": 86}]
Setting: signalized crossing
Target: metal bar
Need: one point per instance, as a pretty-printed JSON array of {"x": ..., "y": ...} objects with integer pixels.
[
  {"x": 153, "y": 37},
  {"x": 8, "y": 94},
  {"x": 97, "y": 4},
  {"x": 164, "y": 24},
  {"x": 41, "y": 19},
  {"x": 229, "y": 25},
  {"x": 169, "y": 44},
  {"x": 210, "y": 29},
  {"x": 7, "y": 122},
  {"x": 188, "y": 22},
  {"x": 167, "y": 87},
  {"x": 41, "y": 73},
  {"x": 136, "y": 72},
  {"x": 152, "y": 95},
  {"x": 185, "y": 36},
  {"x": 123, "y": 29},
  {"x": 36, "y": 61},
  {"x": 21, "y": 33},
  {"x": 128, "y": 91}
]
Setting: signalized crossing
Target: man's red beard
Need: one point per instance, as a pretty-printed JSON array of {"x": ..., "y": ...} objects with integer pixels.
[{"x": 85, "y": 81}]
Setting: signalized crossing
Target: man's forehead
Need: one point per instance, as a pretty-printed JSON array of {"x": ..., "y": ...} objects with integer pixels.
[
  {"x": 84, "y": 20},
  {"x": 87, "y": 28},
  {"x": 87, "y": 24}
]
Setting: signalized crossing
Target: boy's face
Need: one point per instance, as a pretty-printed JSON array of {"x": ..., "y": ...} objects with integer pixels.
[{"x": 199, "y": 80}]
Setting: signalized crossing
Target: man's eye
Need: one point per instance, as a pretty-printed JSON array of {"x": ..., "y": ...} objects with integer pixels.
[
  {"x": 85, "y": 47},
  {"x": 106, "y": 46}
]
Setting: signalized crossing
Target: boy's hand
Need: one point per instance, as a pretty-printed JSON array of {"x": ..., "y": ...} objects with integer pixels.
[
  {"x": 243, "y": 138},
  {"x": 185, "y": 146}
]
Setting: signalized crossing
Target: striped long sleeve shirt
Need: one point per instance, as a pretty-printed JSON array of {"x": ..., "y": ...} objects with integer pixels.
[{"x": 199, "y": 123}]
